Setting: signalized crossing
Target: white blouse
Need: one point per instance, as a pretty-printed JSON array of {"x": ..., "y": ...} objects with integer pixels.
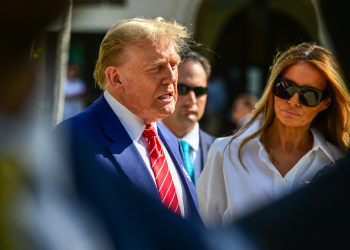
[{"x": 226, "y": 191}]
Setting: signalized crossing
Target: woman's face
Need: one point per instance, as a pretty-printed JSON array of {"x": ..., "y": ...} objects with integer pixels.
[{"x": 291, "y": 112}]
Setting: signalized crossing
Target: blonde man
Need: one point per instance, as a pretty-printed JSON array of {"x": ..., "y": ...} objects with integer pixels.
[{"x": 137, "y": 69}]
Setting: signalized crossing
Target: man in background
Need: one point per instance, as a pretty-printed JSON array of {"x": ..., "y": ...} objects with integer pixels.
[
  {"x": 194, "y": 73},
  {"x": 242, "y": 108}
]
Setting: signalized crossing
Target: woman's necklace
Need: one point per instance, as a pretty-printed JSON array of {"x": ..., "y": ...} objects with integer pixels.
[{"x": 269, "y": 154}]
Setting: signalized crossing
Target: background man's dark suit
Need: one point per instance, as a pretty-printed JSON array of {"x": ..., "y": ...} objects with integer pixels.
[{"x": 205, "y": 141}]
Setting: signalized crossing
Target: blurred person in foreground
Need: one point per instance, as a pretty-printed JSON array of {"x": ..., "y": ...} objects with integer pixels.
[
  {"x": 137, "y": 68},
  {"x": 242, "y": 108},
  {"x": 194, "y": 72},
  {"x": 39, "y": 208},
  {"x": 300, "y": 124}
]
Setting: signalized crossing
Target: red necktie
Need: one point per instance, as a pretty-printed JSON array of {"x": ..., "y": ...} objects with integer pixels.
[{"x": 165, "y": 184}]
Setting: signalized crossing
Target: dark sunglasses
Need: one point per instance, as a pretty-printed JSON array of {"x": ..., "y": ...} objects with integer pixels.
[
  {"x": 183, "y": 89},
  {"x": 308, "y": 96}
]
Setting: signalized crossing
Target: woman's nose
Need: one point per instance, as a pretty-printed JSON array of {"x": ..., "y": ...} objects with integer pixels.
[{"x": 295, "y": 98}]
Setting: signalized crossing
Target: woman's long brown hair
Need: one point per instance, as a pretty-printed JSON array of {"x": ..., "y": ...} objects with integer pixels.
[{"x": 333, "y": 123}]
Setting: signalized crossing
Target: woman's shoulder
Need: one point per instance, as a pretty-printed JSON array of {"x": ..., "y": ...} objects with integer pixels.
[
  {"x": 231, "y": 144},
  {"x": 335, "y": 151},
  {"x": 255, "y": 126},
  {"x": 221, "y": 142},
  {"x": 236, "y": 140}
]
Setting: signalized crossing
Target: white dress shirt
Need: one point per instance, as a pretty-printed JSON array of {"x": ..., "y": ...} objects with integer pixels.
[
  {"x": 135, "y": 126},
  {"x": 226, "y": 191},
  {"x": 192, "y": 138}
]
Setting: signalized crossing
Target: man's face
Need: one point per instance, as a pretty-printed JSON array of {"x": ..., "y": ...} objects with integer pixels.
[
  {"x": 149, "y": 79},
  {"x": 189, "y": 108}
]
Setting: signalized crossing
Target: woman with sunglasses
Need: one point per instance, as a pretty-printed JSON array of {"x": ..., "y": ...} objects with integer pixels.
[{"x": 300, "y": 124}]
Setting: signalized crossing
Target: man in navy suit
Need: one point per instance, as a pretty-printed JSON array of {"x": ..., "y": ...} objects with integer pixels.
[
  {"x": 194, "y": 73},
  {"x": 137, "y": 69}
]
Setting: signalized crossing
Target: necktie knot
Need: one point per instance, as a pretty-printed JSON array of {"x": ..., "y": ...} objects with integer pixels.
[
  {"x": 149, "y": 131},
  {"x": 185, "y": 146}
]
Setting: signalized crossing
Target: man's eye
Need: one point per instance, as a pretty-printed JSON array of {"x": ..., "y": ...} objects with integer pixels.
[{"x": 155, "y": 69}]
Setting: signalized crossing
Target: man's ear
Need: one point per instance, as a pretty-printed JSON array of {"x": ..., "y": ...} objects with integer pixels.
[{"x": 113, "y": 77}]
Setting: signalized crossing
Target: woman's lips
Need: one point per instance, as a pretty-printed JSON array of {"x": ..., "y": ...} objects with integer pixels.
[{"x": 290, "y": 112}]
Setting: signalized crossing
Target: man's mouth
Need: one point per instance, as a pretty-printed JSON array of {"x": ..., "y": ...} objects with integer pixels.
[
  {"x": 166, "y": 97},
  {"x": 188, "y": 111}
]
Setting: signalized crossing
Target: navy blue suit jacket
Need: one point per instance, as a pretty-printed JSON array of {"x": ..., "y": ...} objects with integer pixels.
[{"x": 99, "y": 141}]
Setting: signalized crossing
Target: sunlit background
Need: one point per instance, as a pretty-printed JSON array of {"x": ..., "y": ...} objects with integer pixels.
[{"x": 240, "y": 38}]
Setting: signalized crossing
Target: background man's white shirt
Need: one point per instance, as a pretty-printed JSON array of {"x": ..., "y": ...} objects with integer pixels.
[{"x": 192, "y": 138}]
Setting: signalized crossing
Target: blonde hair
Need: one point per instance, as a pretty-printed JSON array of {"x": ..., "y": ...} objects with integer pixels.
[
  {"x": 135, "y": 32},
  {"x": 333, "y": 123}
]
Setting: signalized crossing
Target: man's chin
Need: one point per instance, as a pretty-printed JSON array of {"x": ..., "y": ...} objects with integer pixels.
[
  {"x": 164, "y": 113},
  {"x": 189, "y": 119},
  {"x": 168, "y": 109}
]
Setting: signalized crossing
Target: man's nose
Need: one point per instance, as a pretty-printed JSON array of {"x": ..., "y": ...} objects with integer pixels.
[
  {"x": 191, "y": 97},
  {"x": 170, "y": 75}
]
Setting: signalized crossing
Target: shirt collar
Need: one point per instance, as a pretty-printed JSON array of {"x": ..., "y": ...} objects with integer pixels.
[
  {"x": 320, "y": 142},
  {"x": 192, "y": 137},
  {"x": 133, "y": 124}
]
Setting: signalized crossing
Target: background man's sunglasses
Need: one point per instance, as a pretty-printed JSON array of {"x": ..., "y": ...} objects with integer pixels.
[
  {"x": 308, "y": 96},
  {"x": 183, "y": 89}
]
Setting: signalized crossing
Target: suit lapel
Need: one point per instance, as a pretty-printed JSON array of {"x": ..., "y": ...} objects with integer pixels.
[
  {"x": 172, "y": 143},
  {"x": 205, "y": 142},
  {"x": 204, "y": 149},
  {"x": 123, "y": 149}
]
